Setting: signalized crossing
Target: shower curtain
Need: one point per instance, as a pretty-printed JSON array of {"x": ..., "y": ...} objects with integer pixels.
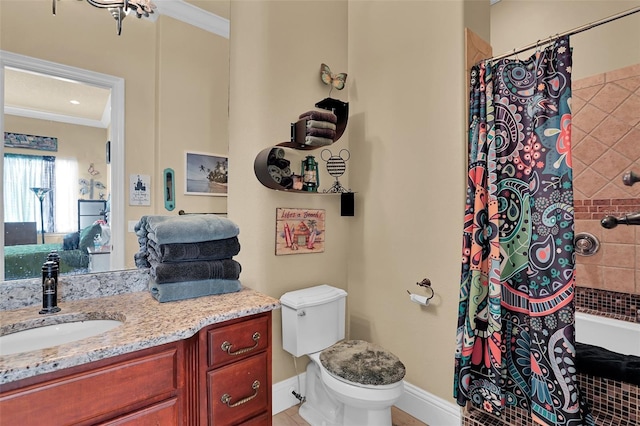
[{"x": 515, "y": 336}]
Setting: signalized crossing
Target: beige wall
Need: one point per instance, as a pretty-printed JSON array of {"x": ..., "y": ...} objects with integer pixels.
[
  {"x": 517, "y": 23},
  {"x": 276, "y": 51},
  {"x": 406, "y": 137},
  {"x": 176, "y": 82}
]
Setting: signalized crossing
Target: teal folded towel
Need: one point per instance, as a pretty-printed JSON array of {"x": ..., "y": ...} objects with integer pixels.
[
  {"x": 191, "y": 228},
  {"x": 170, "y": 292}
]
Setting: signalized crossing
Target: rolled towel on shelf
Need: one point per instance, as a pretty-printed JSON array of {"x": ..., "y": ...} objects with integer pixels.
[
  {"x": 319, "y": 116},
  {"x": 226, "y": 269},
  {"x": 206, "y": 250},
  {"x": 323, "y": 133},
  {"x": 315, "y": 124},
  {"x": 191, "y": 228},
  {"x": 317, "y": 141},
  {"x": 170, "y": 292}
]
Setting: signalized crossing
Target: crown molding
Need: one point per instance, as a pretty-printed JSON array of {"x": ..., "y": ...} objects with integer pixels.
[
  {"x": 41, "y": 115},
  {"x": 190, "y": 14}
]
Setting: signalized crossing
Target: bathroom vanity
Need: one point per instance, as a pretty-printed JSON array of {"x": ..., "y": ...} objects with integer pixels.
[{"x": 193, "y": 362}]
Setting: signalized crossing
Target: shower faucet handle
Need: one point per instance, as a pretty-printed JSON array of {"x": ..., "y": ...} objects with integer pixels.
[{"x": 630, "y": 178}]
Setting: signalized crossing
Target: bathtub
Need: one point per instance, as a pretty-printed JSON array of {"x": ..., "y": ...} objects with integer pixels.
[{"x": 622, "y": 337}]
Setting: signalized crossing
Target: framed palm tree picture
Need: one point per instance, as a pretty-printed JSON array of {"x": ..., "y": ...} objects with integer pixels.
[{"x": 206, "y": 174}]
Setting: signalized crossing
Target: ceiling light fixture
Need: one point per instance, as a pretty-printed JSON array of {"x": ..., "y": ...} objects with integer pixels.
[
  {"x": 119, "y": 9},
  {"x": 73, "y": 101}
]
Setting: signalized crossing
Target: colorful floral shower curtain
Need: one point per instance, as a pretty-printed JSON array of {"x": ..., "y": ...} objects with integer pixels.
[{"x": 515, "y": 336}]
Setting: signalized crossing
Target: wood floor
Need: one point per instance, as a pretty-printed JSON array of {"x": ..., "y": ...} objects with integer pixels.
[{"x": 290, "y": 417}]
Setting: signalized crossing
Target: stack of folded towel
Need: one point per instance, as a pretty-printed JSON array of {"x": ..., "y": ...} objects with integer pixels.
[
  {"x": 188, "y": 256},
  {"x": 321, "y": 127}
]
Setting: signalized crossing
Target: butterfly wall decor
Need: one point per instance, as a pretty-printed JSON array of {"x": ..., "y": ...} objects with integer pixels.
[
  {"x": 334, "y": 80},
  {"x": 92, "y": 171}
]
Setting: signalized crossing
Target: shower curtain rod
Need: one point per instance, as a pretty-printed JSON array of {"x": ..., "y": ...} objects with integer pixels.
[{"x": 570, "y": 32}]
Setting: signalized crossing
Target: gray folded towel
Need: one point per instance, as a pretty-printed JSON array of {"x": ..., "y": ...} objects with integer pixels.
[
  {"x": 317, "y": 141},
  {"x": 190, "y": 289},
  {"x": 205, "y": 250},
  {"x": 192, "y": 228},
  {"x": 226, "y": 269},
  {"x": 320, "y": 124},
  {"x": 323, "y": 133},
  {"x": 319, "y": 116}
]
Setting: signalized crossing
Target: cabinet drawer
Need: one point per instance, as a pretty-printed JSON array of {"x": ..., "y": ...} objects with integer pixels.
[
  {"x": 238, "y": 391},
  {"x": 162, "y": 413},
  {"x": 237, "y": 341},
  {"x": 80, "y": 397}
]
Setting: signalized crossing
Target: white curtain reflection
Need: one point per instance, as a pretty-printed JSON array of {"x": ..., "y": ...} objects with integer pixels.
[{"x": 66, "y": 195}]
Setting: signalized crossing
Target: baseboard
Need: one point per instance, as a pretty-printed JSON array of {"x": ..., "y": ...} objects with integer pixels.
[
  {"x": 417, "y": 402},
  {"x": 428, "y": 408},
  {"x": 282, "y": 398}
]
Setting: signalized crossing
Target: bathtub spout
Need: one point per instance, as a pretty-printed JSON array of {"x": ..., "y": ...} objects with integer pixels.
[{"x": 611, "y": 222}]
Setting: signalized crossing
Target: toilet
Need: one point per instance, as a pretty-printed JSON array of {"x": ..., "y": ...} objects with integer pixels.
[{"x": 348, "y": 382}]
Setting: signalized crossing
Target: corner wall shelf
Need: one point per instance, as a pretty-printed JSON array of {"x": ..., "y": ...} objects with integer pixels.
[{"x": 272, "y": 165}]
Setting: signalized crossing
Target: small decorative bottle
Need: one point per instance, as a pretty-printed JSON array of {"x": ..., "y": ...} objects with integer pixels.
[{"x": 49, "y": 288}]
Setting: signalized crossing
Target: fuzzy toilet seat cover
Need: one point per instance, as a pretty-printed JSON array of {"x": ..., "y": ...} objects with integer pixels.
[{"x": 362, "y": 362}]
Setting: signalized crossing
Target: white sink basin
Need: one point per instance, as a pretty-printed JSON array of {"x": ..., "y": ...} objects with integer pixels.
[{"x": 53, "y": 335}]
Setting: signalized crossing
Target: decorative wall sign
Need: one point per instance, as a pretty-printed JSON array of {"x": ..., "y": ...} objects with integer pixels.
[
  {"x": 19, "y": 140},
  {"x": 299, "y": 231},
  {"x": 139, "y": 190},
  {"x": 206, "y": 174}
]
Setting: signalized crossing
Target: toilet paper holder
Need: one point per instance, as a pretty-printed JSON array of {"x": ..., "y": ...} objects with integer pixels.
[{"x": 422, "y": 300}]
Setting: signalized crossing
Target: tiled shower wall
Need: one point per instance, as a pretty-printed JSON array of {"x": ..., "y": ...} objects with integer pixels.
[{"x": 605, "y": 138}]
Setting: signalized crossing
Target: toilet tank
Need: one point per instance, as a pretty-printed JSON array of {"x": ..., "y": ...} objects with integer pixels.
[{"x": 312, "y": 319}]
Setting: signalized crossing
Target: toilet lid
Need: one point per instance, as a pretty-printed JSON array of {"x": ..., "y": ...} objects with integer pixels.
[{"x": 362, "y": 362}]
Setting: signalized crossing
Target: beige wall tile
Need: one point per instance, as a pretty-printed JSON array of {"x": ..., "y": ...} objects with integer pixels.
[
  {"x": 589, "y": 276},
  {"x": 629, "y": 144},
  {"x": 619, "y": 235},
  {"x": 588, "y": 118},
  {"x": 610, "y": 130},
  {"x": 590, "y": 182},
  {"x": 589, "y": 149},
  {"x": 611, "y": 164},
  {"x": 623, "y": 73},
  {"x": 619, "y": 279},
  {"x": 632, "y": 84},
  {"x": 619, "y": 256},
  {"x": 629, "y": 110},
  {"x": 610, "y": 97}
]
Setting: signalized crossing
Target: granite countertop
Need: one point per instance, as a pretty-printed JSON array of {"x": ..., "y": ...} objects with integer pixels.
[{"x": 147, "y": 323}]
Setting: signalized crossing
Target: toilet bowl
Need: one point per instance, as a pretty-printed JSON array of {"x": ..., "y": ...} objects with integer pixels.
[{"x": 348, "y": 382}]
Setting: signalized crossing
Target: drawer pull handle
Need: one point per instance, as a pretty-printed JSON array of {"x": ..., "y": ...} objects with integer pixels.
[
  {"x": 226, "y": 398},
  {"x": 226, "y": 346}
]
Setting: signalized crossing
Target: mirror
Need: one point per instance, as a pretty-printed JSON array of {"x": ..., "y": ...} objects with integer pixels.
[
  {"x": 161, "y": 81},
  {"x": 31, "y": 72}
]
